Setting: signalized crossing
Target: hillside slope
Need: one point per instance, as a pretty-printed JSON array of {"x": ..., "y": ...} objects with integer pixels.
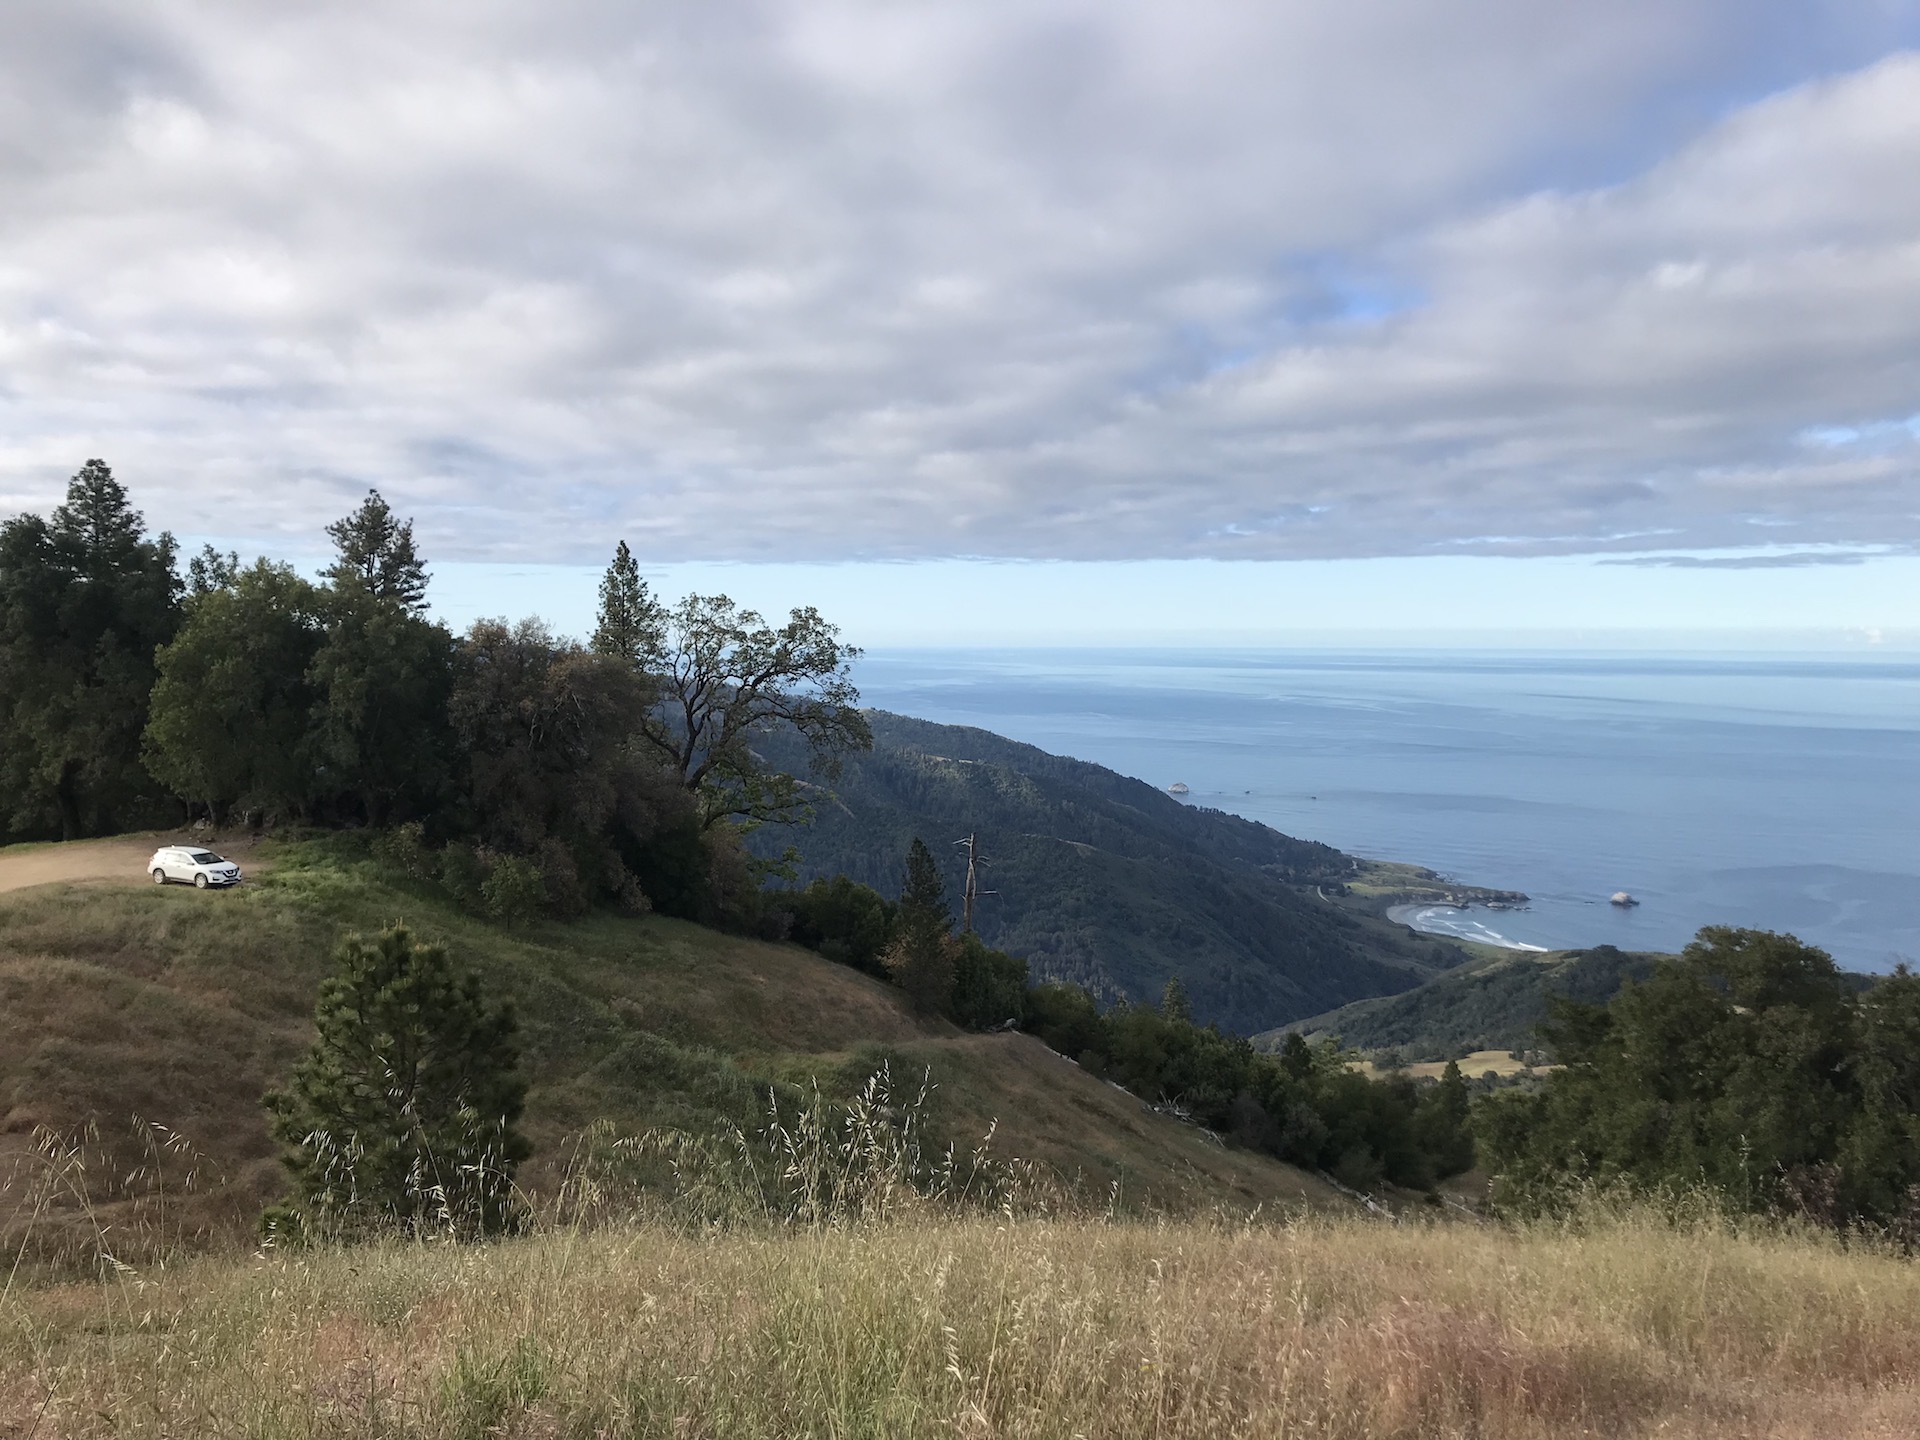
[
  {"x": 1493, "y": 1003},
  {"x": 1106, "y": 881},
  {"x": 178, "y": 1007}
]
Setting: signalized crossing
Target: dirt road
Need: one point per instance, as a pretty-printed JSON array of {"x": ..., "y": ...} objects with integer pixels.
[{"x": 122, "y": 858}]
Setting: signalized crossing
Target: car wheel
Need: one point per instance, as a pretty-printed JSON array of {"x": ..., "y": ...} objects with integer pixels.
[
  {"x": 159, "y": 877},
  {"x": 199, "y": 882}
]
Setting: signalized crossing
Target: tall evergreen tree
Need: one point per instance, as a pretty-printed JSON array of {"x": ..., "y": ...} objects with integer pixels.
[
  {"x": 1440, "y": 1122},
  {"x": 85, "y": 599},
  {"x": 923, "y": 895},
  {"x": 403, "y": 1114},
  {"x": 631, "y": 624},
  {"x": 921, "y": 958},
  {"x": 376, "y": 553}
]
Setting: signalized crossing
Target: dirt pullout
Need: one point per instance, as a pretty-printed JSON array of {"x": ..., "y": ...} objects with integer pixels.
[{"x": 123, "y": 858}]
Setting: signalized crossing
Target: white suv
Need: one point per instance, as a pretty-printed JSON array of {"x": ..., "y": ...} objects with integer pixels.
[{"x": 191, "y": 865}]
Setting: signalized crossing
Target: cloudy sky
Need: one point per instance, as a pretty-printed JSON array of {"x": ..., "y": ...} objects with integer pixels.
[{"x": 1632, "y": 288}]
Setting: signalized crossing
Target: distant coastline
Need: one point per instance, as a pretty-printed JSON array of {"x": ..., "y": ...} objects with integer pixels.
[
  {"x": 1456, "y": 923},
  {"x": 1567, "y": 775}
]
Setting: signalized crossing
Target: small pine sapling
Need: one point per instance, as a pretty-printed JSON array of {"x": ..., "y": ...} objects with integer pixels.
[{"x": 401, "y": 1117}]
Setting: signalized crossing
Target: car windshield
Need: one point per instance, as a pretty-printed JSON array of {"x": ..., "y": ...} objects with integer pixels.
[{"x": 206, "y": 857}]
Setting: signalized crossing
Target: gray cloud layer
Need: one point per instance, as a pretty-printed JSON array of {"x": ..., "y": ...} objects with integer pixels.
[{"x": 1036, "y": 279}]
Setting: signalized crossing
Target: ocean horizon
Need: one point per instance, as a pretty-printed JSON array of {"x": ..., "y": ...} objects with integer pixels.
[{"x": 1737, "y": 789}]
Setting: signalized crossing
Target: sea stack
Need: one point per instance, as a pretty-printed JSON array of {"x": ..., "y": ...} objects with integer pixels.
[
  {"x": 1623, "y": 900},
  {"x": 1179, "y": 787}
]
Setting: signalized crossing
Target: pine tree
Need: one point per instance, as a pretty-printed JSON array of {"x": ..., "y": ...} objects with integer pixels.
[
  {"x": 85, "y": 600},
  {"x": 97, "y": 523},
  {"x": 1174, "y": 1003},
  {"x": 923, "y": 897},
  {"x": 631, "y": 622},
  {"x": 377, "y": 554},
  {"x": 402, "y": 1115},
  {"x": 921, "y": 958},
  {"x": 1441, "y": 1125}
]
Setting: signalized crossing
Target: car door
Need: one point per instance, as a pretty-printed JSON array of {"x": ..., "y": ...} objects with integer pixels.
[{"x": 177, "y": 865}]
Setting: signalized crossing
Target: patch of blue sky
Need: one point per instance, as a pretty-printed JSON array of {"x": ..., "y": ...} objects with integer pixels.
[
  {"x": 1775, "y": 48},
  {"x": 1308, "y": 293},
  {"x": 1874, "y": 435},
  {"x": 1332, "y": 289}
]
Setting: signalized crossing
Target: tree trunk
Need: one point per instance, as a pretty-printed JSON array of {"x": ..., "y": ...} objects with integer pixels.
[{"x": 69, "y": 803}]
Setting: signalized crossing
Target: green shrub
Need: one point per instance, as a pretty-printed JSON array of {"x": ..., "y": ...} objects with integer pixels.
[
  {"x": 515, "y": 890},
  {"x": 843, "y": 920},
  {"x": 403, "y": 851},
  {"x": 461, "y": 875},
  {"x": 989, "y": 986}
]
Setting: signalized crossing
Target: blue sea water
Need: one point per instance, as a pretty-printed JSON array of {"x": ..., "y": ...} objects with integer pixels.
[{"x": 1782, "y": 793}]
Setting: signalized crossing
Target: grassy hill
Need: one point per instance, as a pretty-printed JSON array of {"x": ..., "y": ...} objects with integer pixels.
[
  {"x": 1106, "y": 881},
  {"x": 180, "y": 1008},
  {"x": 1492, "y": 1003}
]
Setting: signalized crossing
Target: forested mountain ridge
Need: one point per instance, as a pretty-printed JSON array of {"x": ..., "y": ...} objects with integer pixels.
[{"x": 1104, "y": 880}]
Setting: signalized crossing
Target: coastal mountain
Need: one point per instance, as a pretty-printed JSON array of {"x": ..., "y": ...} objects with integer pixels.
[{"x": 1104, "y": 880}]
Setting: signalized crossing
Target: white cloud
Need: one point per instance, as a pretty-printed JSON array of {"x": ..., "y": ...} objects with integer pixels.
[{"x": 1042, "y": 279}]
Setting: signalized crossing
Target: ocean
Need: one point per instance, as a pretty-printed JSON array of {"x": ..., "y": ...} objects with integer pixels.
[{"x": 1779, "y": 793}]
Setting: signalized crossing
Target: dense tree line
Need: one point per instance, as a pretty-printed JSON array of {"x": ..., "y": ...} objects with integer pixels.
[
  {"x": 1750, "y": 1065},
  {"x": 520, "y": 770},
  {"x": 910, "y": 942},
  {"x": 1306, "y": 1105}
]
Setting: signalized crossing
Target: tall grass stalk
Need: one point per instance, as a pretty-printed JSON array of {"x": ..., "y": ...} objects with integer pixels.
[{"x": 821, "y": 1164}]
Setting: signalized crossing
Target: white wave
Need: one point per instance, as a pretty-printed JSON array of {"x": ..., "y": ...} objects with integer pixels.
[{"x": 1458, "y": 924}]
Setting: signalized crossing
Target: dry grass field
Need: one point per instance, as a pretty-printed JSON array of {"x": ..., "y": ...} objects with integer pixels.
[{"x": 940, "y": 1325}]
